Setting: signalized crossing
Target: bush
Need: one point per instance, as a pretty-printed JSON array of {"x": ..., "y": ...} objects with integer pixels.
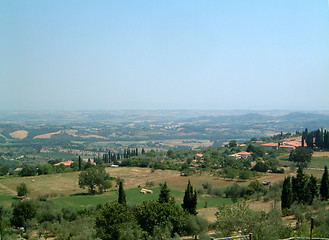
[
  {"x": 22, "y": 190},
  {"x": 260, "y": 167},
  {"x": 149, "y": 184},
  {"x": 217, "y": 192},
  {"x": 200, "y": 191}
]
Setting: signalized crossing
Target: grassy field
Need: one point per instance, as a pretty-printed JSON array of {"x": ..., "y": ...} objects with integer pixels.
[
  {"x": 319, "y": 162},
  {"x": 64, "y": 191}
]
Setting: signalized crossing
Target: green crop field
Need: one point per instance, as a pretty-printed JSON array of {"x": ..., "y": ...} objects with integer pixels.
[{"x": 319, "y": 162}]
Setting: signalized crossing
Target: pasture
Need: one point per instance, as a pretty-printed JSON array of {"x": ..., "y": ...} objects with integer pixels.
[{"x": 63, "y": 188}]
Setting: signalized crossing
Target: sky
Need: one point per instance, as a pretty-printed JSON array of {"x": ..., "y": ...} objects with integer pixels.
[{"x": 150, "y": 55}]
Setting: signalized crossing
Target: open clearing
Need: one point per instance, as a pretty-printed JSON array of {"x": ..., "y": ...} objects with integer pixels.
[
  {"x": 47, "y": 135},
  {"x": 21, "y": 134}
]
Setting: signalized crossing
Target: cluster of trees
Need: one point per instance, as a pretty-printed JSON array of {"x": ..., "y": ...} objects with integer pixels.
[
  {"x": 302, "y": 156},
  {"x": 318, "y": 138},
  {"x": 161, "y": 219},
  {"x": 303, "y": 189},
  {"x": 96, "y": 179},
  {"x": 127, "y": 153}
]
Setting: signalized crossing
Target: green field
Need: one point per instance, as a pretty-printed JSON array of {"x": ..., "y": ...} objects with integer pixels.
[
  {"x": 316, "y": 162},
  {"x": 133, "y": 196},
  {"x": 319, "y": 162}
]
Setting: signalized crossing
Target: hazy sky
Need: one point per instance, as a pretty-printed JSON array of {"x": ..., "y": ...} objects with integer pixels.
[{"x": 221, "y": 54}]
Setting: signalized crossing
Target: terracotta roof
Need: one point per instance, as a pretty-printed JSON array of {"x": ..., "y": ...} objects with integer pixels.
[{"x": 199, "y": 155}]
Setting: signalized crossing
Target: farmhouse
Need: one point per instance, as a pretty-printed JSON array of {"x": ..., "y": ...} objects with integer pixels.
[
  {"x": 198, "y": 155},
  {"x": 241, "y": 155}
]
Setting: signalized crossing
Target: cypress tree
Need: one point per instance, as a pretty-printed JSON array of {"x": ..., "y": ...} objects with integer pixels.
[
  {"x": 164, "y": 196},
  {"x": 286, "y": 196},
  {"x": 80, "y": 163},
  {"x": 136, "y": 152},
  {"x": 324, "y": 188},
  {"x": 143, "y": 151},
  {"x": 312, "y": 188},
  {"x": 326, "y": 139},
  {"x": 122, "y": 194},
  {"x": 309, "y": 140},
  {"x": 299, "y": 187},
  {"x": 190, "y": 200}
]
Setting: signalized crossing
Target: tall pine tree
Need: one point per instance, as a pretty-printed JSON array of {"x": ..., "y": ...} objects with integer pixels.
[
  {"x": 122, "y": 194},
  {"x": 286, "y": 196},
  {"x": 299, "y": 187},
  {"x": 190, "y": 199},
  {"x": 80, "y": 163},
  {"x": 324, "y": 188},
  {"x": 164, "y": 196}
]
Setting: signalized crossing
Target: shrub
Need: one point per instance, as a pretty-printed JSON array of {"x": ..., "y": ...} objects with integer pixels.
[
  {"x": 22, "y": 190},
  {"x": 217, "y": 192},
  {"x": 149, "y": 184}
]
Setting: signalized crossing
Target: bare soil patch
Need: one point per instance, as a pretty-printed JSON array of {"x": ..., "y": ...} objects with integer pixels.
[
  {"x": 21, "y": 134},
  {"x": 47, "y": 135}
]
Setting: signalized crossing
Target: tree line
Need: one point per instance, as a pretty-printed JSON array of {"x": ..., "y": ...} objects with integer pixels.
[
  {"x": 303, "y": 189},
  {"x": 315, "y": 139}
]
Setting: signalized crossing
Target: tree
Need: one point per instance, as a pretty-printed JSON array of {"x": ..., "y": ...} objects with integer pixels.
[
  {"x": 324, "y": 187},
  {"x": 190, "y": 200},
  {"x": 164, "y": 196},
  {"x": 152, "y": 213},
  {"x": 196, "y": 225},
  {"x": 22, "y": 190},
  {"x": 299, "y": 187},
  {"x": 286, "y": 196},
  {"x": 312, "y": 188},
  {"x": 301, "y": 155},
  {"x": 309, "y": 141},
  {"x": 122, "y": 194},
  {"x": 95, "y": 177},
  {"x": 111, "y": 218},
  {"x": 22, "y": 211},
  {"x": 80, "y": 163},
  {"x": 232, "y": 144}
]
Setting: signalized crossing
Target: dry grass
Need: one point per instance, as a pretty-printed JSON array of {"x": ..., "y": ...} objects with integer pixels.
[
  {"x": 21, "y": 134},
  {"x": 208, "y": 213},
  {"x": 320, "y": 154},
  {"x": 47, "y": 135}
]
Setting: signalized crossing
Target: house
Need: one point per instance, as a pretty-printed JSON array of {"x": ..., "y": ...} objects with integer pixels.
[
  {"x": 198, "y": 155},
  {"x": 241, "y": 155}
]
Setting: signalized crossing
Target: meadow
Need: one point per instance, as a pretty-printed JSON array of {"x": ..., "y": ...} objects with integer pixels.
[{"x": 63, "y": 190}]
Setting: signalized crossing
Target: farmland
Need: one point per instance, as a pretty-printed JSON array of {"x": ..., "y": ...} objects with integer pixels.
[{"x": 63, "y": 190}]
